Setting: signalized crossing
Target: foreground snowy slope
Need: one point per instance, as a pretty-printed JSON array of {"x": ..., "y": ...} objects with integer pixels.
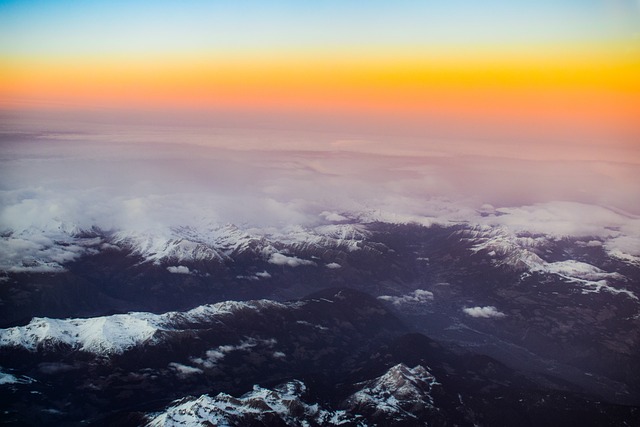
[
  {"x": 337, "y": 357},
  {"x": 399, "y": 395}
]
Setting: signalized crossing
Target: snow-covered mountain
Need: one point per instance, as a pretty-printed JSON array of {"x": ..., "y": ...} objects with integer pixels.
[
  {"x": 547, "y": 302},
  {"x": 524, "y": 252},
  {"x": 117, "y": 333},
  {"x": 505, "y": 247},
  {"x": 185, "y": 244},
  {"x": 336, "y": 357},
  {"x": 349, "y": 237},
  {"x": 399, "y": 394},
  {"x": 515, "y": 237},
  {"x": 282, "y": 405}
]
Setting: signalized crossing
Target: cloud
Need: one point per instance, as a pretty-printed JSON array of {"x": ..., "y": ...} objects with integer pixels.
[
  {"x": 560, "y": 219},
  {"x": 333, "y": 265},
  {"x": 419, "y": 296},
  {"x": 214, "y": 356},
  {"x": 41, "y": 254},
  {"x": 486, "y": 312},
  {"x": 333, "y": 216},
  {"x": 290, "y": 261},
  {"x": 184, "y": 370},
  {"x": 180, "y": 269},
  {"x": 628, "y": 244},
  {"x": 147, "y": 181},
  {"x": 625, "y": 247},
  {"x": 619, "y": 232}
]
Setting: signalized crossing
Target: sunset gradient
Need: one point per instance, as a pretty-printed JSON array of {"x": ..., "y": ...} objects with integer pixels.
[{"x": 568, "y": 69}]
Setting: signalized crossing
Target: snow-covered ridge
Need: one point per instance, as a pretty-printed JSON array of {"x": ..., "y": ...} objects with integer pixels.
[
  {"x": 155, "y": 248},
  {"x": 520, "y": 252},
  {"x": 345, "y": 237},
  {"x": 190, "y": 244},
  {"x": 223, "y": 243},
  {"x": 47, "y": 251},
  {"x": 618, "y": 231},
  {"x": 513, "y": 234},
  {"x": 117, "y": 333},
  {"x": 395, "y": 396},
  {"x": 283, "y": 403},
  {"x": 506, "y": 247}
]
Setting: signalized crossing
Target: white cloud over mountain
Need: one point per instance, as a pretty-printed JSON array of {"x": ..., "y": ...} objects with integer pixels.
[
  {"x": 178, "y": 269},
  {"x": 289, "y": 261},
  {"x": 419, "y": 296},
  {"x": 486, "y": 312},
  {"x": 53, "y": 186}
]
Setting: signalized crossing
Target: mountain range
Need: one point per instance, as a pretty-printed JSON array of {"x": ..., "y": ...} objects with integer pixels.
[{"x": 350, "y": 322}]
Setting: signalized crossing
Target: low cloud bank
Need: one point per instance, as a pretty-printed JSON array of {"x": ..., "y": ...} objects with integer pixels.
[{"x": 54, "y": 186}]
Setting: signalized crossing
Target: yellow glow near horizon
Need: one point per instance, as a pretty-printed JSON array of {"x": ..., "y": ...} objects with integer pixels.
[{"x": 597, "y": 88}]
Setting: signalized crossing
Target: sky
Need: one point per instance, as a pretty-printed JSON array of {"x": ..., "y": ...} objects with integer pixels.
[
  {"x": 547, "y": 84},
  {"x": 566, "y": 70}
]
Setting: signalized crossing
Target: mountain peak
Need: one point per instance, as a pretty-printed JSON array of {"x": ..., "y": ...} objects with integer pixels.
[
  {"x": 281, "y": 405},
  {"x": 400, "y": 393}
]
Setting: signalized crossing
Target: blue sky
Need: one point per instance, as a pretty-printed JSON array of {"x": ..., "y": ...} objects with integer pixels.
[{"x": 58, "y": 27}]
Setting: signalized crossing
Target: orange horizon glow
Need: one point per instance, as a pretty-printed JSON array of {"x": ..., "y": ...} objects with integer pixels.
[{"x": 598, "y": 91}]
